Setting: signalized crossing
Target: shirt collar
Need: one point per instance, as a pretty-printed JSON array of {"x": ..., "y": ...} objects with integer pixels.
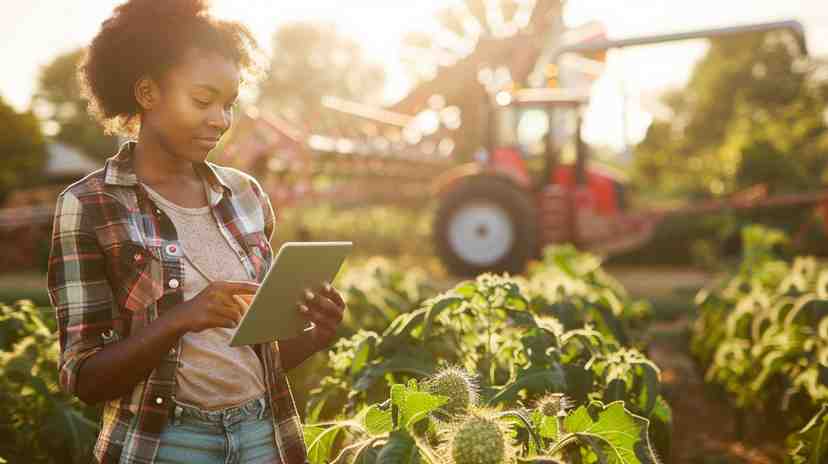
[{"x": 118, "y": 170}]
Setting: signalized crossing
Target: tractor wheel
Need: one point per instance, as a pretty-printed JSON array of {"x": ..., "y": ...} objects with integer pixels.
[{"x": 485, "y": 225}]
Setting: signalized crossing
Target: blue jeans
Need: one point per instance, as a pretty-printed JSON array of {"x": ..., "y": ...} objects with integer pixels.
[{"x": 242, "y": 434}]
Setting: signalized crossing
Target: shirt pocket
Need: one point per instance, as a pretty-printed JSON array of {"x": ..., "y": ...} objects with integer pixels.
[{"x": 136, "y": 276}]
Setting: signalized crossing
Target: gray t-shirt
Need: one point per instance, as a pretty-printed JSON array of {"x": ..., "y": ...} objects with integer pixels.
[{"x": 211, "y": 374}]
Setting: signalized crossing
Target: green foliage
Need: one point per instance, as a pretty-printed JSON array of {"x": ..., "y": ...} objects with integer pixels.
[
  {"x": 377, "y": 291},
  {"x": 387, "y": 433},
  {"x": 752, "y": 112},
  {"x": 58, "y": 100},
  {"x": 40, "y": 424},
  {"x": 23, "y": 149},
  {"x": 310, "y": 61},
  {"x": 455, "y": 384},
  {"x": 612, "y": 433},
  {"x": 478, "y": 440},
  {"x": 763, "y": 334},
  {"x": 810, "y": 445},
  {"x": 558, "y": 330},
  {"x": 384, "y": 432},
  {"x": 376, "y": 230}
]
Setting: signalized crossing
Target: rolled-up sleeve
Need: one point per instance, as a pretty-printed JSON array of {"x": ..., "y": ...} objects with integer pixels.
[{"x": 78, "y": 289}]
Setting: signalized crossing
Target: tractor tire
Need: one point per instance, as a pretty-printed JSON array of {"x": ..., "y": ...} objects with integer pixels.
[{"x": 486, "y": 224}]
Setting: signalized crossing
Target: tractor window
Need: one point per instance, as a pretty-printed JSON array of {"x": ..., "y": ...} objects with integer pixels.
[
  {"x": 563, "y": 136},
  {"x": 532, "y": 135},
  {"x": 547, "y": 136},
  {"x": 532, "y": 129}
]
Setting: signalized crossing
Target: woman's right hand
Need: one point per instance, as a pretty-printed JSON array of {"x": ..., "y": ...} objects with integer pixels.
[{"x": 215, "y": 306}]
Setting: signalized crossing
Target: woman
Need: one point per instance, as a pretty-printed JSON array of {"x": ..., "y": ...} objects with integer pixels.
[{"x": 148, "y": 252}]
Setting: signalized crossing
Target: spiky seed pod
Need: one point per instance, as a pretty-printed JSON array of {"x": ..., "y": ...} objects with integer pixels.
[
  {"x": 478, "y": 440},
  {"x": 456, "y": 384},
  {"x": 553, "y": 403}
]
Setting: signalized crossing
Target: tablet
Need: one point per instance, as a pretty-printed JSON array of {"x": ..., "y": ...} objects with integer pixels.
[{"x": 273, "y": 314}]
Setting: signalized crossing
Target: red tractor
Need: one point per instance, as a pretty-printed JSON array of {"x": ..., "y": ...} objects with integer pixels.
[
  {"x": 534, "y": 185},
  {"x": 531, "y": 185},
  {"x": 530, "y": 190}
]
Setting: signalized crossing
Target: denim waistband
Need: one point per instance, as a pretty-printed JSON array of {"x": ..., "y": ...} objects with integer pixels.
[{"x": 254, "y": 408}]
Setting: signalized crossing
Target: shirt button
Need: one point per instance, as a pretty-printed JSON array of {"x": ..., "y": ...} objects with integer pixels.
[
  {"x": 157, "y": 211},
  {"x": 172, "y": 351},
  {"x": 159, "y": 400},
  {"x": 138, "y": 257},
  {"x": 173, "y": 283}
]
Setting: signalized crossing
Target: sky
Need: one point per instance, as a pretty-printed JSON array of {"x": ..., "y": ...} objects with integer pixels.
[{"x": 32, "y": 32}]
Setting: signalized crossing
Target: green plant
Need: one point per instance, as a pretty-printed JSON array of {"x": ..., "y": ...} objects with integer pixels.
[
  {"x": 40, "y": 423},
  {"x": 385, "y": 433},
  {"x": 377, "y": 291},
  {"x": 455, "y": 384},
  {"x": 810, "y": 444},
  {"x": 507, "y": 330},
  {"x": 477, "y": 439},
  {"x": 763, "y": 334}
]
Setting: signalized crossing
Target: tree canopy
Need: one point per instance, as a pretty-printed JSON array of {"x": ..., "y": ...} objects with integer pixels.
[
  {"x": 22, "y": 149},
  {"x": 58, "y": 102},
  {"x": 313, "y": 60},
  {"x": 753, "y": 112}
]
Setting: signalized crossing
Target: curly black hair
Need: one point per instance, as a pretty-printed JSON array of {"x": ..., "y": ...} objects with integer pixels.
[{"x": 146, "y": 38}]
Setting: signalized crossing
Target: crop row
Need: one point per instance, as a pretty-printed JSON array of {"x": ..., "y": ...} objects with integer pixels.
[
  {"x": 762, "y": 335},
  {"x": 546, "y": 365}
]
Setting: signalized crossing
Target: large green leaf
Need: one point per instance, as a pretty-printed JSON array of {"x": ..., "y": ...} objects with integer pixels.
[
  {"x": 74, "y": 432},
  {"x": 435, "y": 309},
  {"x": 413, "y": 405},
  {"x": 406, "y": 363},
  {"x": 616, "y": 436},
  {"x": 363, "y": 353},
  {"x": 366, "y": 455},
  {"x": 404, "y": 324},
  {"x": 548, "y": 427},
  {"x": 320, "y": 442},
  {"x": 810, "y": 444},
  {"x": 400, "y": 449},
  {"x": 536, "y": 380},
  {"x": 376, "y": 421}
]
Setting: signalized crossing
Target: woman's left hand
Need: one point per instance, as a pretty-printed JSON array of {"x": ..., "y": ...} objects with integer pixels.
[{"x": 325, "y": 307}]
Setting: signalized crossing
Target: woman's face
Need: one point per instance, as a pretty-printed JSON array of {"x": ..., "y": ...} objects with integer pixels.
[{"x": 194, "y": 104}]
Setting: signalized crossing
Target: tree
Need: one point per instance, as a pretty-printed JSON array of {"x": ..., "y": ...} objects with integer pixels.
[
  {"x": 58, "y": 102},
  {"x": 310, "y": 61},
  {"x": 22, "y": 149},
  {"x": 753, "y": 111}
]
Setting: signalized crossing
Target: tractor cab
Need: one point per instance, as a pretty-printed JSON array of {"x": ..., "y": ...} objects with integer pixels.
[
  {"x": 536, "y": 140},
  {"x": 535, "y": 132}
]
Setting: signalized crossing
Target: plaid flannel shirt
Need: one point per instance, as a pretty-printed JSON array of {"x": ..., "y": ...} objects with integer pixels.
[{"x": 109, "y": 271}]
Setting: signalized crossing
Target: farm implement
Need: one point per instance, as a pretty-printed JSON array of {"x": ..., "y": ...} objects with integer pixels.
[{"x": 531, "y": 184}]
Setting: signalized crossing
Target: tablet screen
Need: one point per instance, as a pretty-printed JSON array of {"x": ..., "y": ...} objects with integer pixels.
[{"x": 274, "y": 314}]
